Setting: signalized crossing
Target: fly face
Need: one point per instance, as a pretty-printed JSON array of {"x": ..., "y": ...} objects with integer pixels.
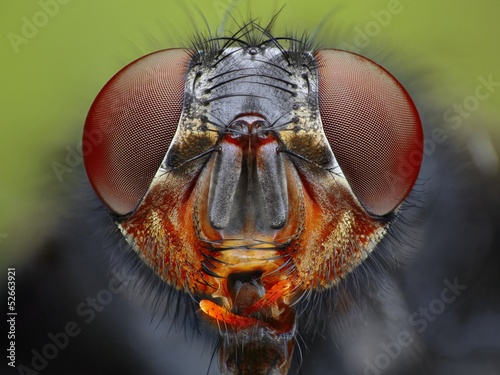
[{"x": 248, "y": 174}]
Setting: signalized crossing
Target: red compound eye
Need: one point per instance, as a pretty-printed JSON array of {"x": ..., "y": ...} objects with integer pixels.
[
  {"x": 372, "y": 126},
  {"x": 131, "y": 125}
]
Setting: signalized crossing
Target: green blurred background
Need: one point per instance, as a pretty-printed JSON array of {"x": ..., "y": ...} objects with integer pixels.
[{"x": 50, "y": 73}]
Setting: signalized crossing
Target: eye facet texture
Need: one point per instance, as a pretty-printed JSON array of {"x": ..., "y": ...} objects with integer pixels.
[
  {"x": 372, "y": 126},
  {"x": 132, "y": 122}
]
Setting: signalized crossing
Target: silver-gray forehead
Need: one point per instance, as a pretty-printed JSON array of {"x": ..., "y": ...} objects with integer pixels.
[{"x": 270, "y": 81}]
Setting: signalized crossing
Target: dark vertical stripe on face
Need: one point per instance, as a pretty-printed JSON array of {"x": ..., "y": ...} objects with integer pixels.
[
  {"x": 223, "y": 183},
  {"x": 272, "y": 181}
]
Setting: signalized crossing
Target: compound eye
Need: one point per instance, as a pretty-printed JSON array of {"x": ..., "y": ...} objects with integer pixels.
[
  {"x": 372, "y": 126},
  {"x": 130, "y": 126}
]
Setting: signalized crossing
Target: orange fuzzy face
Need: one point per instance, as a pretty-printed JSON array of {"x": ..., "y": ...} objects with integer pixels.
[{"x": 247, "y": 176}]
